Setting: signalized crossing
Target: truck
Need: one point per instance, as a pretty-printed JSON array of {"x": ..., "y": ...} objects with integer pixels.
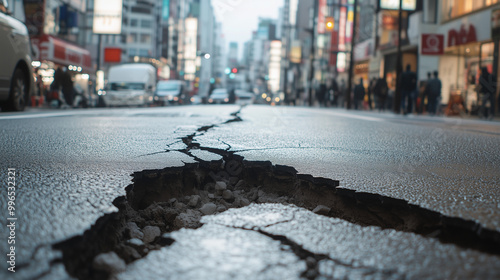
[{"x": 131, "y": 84}]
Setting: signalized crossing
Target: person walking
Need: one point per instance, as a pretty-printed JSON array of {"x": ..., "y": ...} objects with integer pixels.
[
  {"x": 359, "y": 95},
  {"x": 67, "y": 87},
  {"x": 434, "y": 93},
  {"x": 380, "y": 91},
  {"x": 334, "y": 92},
  {"x": 371, "y": 92},
  {"x": 425, "y": 94},
  {"x": 408, "y": 84},
  {"x": 342, "y": 93},
  {"x": 487, "y": 90}
]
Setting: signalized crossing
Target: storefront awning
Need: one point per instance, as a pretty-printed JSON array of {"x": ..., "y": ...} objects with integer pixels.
[{"x": 61, "y": 52}]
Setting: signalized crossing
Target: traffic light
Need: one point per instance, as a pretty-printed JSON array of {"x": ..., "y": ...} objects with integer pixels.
[
  {"x": 330, "y": 24},
  {"x": 234, "y": 70}
]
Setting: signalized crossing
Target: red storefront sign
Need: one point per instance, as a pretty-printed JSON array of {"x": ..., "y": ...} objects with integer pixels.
[
  {"x": 432, "y": 44},
  {"x": 56, "y": 50},
  {"x": 462, "y": 36}
]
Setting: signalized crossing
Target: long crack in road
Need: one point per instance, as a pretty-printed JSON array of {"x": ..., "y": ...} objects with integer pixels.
[{"x": 162, "y": 203}]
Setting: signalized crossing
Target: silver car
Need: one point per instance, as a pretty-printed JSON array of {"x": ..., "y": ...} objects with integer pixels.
[{"x": 16, "y": 72}]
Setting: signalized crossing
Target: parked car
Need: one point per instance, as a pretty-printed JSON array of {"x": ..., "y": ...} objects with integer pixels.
[
  {"x": 170, "y": 92},
  {"x": 16, "y": 72},
  {"x": 130, "y": 84},
  {"x": 219, "y": 96},
  {"x": 244, "y": 97}
]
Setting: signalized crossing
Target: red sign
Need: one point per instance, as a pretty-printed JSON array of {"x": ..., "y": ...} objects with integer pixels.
[
  {"x": 322, "y": 11},
  {"x": 113, "y": 55},
  {"x": 432, "y": 44},
  {"x": 462, "y": 36}
]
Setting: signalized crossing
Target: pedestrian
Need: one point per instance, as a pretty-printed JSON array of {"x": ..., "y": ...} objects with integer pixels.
[
  {"x": 380, "y": 91},
  {"x": 408, "y": 86},
  {"x": 359, "y": 95},
  {"x": 371, "y": 92},
  {"x": 321, "y": 94},
  {"x": 342, "y": 93},
  {"x": 67, "y": 87},
  {"x": 434, "y": 93},
  {"x": 425, "y": 93},
  {"x": 334, "y": 92},
  {"x": 487, "y": 90}
]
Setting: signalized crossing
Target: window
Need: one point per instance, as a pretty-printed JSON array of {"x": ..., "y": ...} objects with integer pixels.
[
  {"x": 143, "y": 52},
  {"x": 134, "y": 22},
  {"x": 132, "y": 38},
  {"x": 145, "y": 38},
  {"x": 146, "y": 23},
  {"x": 456, "y": 8},
  {"x": 132, "y": 52}
]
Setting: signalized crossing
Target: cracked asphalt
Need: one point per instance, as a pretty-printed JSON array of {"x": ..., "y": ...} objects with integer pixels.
[{"x": 72, "y": 165}]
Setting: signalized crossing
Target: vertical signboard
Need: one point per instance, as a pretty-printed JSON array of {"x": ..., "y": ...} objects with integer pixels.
[
  {"x": 322, "y": 9},
  {"x": 107, "y": 17},
  {"x": 342, "y": 28}
]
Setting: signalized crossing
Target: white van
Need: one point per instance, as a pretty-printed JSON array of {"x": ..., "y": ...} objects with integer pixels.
[{"x": 130, "y": 85}]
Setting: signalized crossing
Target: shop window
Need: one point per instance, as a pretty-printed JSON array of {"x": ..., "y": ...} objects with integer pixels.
[
  {"x": 132, "y": 52},
  {"x": 134, "y": 22},
  {"x": 456, "y": 8},
  {"x": 144, "y": 52}
]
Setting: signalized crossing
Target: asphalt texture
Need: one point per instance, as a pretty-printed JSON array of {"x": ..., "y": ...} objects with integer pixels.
[{"x": 72, "y": 164}]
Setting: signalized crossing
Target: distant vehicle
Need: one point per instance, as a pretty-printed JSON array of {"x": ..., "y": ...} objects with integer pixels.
[
  {"x": 170, "y": 92},
  {"x": 196, "y": 100},
  {"x": 219, "y": 96},
  {"x": 16, "y": 72},
  {"x": 130, "y": 85},
  {"x": 244, "y": 97}
]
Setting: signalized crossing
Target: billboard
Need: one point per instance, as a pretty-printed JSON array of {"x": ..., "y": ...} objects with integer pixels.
[
  {"x": 107, "y": 17},
  {"x": 322, "y": 11},
  {"x": 408, "y": 5}
]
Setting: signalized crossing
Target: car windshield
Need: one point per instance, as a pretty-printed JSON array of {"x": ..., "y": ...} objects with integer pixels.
[
  {"x": 126, "y": 86},
  {"x": 219, "y": 94},
  {"x": 168, "y": 86}
]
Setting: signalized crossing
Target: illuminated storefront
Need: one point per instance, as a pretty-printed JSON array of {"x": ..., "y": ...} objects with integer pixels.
[{"x": 468, "y": 46}]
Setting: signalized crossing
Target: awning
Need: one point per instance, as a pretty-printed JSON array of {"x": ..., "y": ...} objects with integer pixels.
[{"x": 59, "y": 51}]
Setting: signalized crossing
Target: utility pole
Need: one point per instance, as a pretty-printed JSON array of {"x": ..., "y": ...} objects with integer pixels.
[
  {"x": 287, "y": 30},
  {"x": 397, "y": 97},
  {"x": 312, "y": 54}
]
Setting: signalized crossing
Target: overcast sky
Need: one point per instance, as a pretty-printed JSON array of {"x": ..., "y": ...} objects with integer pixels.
[{"x": 240, "y": 17}]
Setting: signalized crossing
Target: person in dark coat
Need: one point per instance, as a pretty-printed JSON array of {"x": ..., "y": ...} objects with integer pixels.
[
  {"x": 67, "y": 87},
  {"x": 408, "y": 84},
  {"x": 334, "y": 90},
  {"x": 380, "y": 91},
  {"x": 434, "y": 93},
  {"x": 359, "y": 95},
  {"x": 487, "y": 90}
]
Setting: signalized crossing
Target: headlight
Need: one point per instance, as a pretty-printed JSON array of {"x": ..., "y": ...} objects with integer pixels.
[
  {"x": 192, "y": 99},
  {"x": 210, "y": 100},
  {"x": 170, "y": 97},
  {"x": 226, "y": 99},
  {"x": 176, "y": 98}
]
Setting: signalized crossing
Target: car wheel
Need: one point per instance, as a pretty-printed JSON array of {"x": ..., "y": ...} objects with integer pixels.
[{"x": 18, "y": 92}]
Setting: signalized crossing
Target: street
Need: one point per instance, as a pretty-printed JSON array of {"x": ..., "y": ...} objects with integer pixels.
[{"x": 256, "y": 192}]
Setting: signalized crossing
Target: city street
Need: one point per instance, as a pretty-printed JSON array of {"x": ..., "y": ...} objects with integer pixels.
[{"x": 256, "y": 192}]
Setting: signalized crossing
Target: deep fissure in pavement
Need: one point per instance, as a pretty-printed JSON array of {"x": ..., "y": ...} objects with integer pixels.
[{"x": 162, "y": 201}]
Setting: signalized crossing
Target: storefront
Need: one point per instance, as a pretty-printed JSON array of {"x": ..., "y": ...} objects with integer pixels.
[
  {"x": 468, "y": 47},
  {"x": 53, "y": 53}
]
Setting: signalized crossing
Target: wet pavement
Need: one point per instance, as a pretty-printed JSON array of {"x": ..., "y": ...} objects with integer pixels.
[{"x": 73, "y": 165}]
